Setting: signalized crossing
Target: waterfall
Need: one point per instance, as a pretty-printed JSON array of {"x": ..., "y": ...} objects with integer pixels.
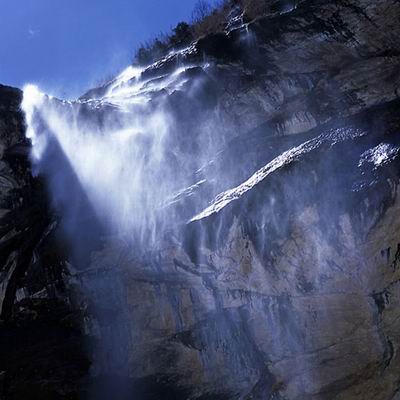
[
  {"x": 117, "y": 146},
  {"x": 118, "y": 164}
]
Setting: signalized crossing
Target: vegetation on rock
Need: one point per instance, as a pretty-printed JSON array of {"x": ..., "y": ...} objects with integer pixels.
[{"x": 207, "y": 18}]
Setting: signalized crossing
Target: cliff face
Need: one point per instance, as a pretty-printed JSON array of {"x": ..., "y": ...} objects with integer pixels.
[
  {"x": 41, "y": 351},
  {"x": 278, "y": 278},
  {"x": 290, "y": 290}
]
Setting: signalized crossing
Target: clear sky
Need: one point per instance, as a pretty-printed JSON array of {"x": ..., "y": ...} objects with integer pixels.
[{"x": 67, "y": 46}]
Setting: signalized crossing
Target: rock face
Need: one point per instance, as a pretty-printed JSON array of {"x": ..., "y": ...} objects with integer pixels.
[
  {"x": 289, "y": 290},
  {"x": 281, "y": 278},
  {"x": 41, "y": 352}
]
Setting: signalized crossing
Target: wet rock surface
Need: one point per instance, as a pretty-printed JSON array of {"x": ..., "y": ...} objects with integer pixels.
[{"x": 278, "y": 281}]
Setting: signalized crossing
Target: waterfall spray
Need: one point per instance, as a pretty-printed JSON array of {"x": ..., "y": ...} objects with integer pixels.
[{"x": 113, "y": 168}]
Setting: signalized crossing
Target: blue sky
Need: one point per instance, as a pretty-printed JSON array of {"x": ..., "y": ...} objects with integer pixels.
[{"x": 67, "y": 46}]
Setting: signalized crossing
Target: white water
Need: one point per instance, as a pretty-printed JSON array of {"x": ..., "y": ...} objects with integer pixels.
[
  {"x": 118, "y": 146},
  {"x": 117, "y": 161},
  {"x": 117, "y": 153}
]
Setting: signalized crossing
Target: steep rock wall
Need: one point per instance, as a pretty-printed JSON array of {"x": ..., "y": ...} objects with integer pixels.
[{"x": 285, "y": 283}]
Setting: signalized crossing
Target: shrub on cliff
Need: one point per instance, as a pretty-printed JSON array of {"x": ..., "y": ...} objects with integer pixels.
[
  {"x": 207, "y": 18},
  {"x": 181, "y": 36}
]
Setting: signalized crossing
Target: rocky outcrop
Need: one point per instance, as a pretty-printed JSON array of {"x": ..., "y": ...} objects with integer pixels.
[
  {"x": 41, "y": 351},
  {"x": 278, "y": 276}
]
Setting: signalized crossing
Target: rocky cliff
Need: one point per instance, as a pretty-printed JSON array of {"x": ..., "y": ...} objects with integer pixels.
[{"x": 276, "y": 275}]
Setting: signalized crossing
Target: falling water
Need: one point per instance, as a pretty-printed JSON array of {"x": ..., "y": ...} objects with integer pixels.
[
  {"x": 116, "y": 164},
  {"x": 132, "y": 161},
  {"x": 114, "y": 167}
]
